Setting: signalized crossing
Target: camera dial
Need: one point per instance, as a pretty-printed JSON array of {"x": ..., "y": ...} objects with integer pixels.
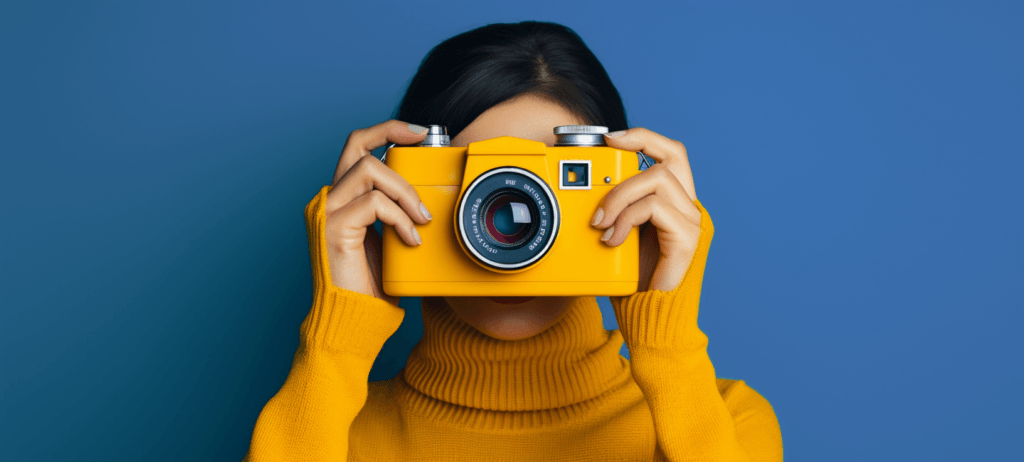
[{"x": 580, "y": 135}]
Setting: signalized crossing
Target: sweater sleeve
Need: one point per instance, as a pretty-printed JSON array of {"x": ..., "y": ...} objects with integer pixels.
[
  {"x": 309, "y": 417},
  {"x": 696, "y": 417}
]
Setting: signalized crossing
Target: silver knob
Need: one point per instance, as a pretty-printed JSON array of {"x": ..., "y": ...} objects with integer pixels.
[
  {"x": 437, "y": 137},
  {"x": 580, "y": 135}
]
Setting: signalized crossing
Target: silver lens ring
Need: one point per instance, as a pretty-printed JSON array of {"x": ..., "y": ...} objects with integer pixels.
[{"x": 471, "y": 230}]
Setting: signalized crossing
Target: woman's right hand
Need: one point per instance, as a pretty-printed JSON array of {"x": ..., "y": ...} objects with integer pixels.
[{"x": 365, "y": 190}]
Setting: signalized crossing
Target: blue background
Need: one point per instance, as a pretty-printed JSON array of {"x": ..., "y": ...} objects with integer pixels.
[{"x": 862, "y": 163}]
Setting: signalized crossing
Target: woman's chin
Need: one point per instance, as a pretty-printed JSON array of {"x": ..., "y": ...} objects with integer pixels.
[
  {"x": 510, "y": 300},
  {"x": 502, "y": 304},
  {"x": 514, "y": 326},
  {"x": 509, "y": 318}
]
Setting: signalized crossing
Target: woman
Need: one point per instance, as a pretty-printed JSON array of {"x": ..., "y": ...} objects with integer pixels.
[{"x": 511, "y": 378}]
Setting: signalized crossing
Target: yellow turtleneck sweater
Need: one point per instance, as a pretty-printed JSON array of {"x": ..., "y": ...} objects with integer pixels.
[{"x": 564, "y": 394}]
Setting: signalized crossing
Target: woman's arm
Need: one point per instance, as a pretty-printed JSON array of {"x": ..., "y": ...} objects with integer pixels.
[
  {"x": 351, "y": 317},
  {"x": 696, "y": 416},
  {"x": 309, "y": 418}
]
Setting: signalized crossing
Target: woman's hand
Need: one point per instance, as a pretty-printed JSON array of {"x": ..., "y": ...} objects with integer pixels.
[
  {"x": 365, "y": 190},
  {"x": 662, "y": 195}
]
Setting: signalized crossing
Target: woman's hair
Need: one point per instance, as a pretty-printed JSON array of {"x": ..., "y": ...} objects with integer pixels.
[{"x": 471, "y": 72}]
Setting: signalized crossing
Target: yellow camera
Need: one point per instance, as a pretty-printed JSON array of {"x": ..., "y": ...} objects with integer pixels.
[{"x": 512, "y": 218}]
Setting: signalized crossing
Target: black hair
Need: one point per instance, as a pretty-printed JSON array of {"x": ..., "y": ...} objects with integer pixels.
[{"x": 471, "y": 72}]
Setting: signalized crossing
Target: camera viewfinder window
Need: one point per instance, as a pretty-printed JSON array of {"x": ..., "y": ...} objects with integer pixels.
[{"x": 575, "y": 174}]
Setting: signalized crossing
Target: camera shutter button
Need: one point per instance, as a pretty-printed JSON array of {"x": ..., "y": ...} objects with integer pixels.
[{"x": 437, "y": 137}]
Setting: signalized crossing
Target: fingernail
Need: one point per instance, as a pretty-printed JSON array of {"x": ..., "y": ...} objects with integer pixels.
[
  {"x": 426, "y": 213},
  {"x": 416, "y": 235},
  {"x": 615, "y": 134},
  {"x": 417, "y": 129},
  {"x": 608, "y": 233},
  {"x": 598, "y": 216}
]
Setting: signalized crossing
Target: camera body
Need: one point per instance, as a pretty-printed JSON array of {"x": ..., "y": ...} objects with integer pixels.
[{"x": 512, "y": 218}]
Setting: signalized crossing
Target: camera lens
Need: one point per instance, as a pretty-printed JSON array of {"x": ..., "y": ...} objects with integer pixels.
[{"x": 507, "y": 219}]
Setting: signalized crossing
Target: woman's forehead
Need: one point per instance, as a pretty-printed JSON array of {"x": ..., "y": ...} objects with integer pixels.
[{"x": 528, "y": 116}]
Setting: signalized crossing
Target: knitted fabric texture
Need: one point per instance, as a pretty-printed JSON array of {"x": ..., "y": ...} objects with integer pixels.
[{"x": 565, "y": 394}]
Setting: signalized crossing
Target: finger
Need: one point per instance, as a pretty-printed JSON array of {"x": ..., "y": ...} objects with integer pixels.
[
  {"x": 369, "y": 174},
  {"x": 661, "y": 148},
  {"x": 673, "y": 226},
  {"x": 360, "y": 142},
  {"x": 356, "y": 216},
  {"x": 657, "y": 180}
]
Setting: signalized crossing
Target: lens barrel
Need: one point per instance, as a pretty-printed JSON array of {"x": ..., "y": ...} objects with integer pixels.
[{"x": 508, "y": 219}]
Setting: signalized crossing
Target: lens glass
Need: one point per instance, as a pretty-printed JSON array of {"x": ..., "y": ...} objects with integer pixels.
[{"x": 507, "y": 215}]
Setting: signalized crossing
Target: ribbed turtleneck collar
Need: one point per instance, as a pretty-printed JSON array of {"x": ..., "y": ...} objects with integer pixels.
[{"x": 572, "y": 361}]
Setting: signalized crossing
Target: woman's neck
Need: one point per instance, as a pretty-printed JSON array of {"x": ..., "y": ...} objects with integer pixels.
[{"x": 574, "y": 360}]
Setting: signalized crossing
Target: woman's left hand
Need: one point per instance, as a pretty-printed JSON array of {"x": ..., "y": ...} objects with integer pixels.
[{"x": 662, "y": 195}]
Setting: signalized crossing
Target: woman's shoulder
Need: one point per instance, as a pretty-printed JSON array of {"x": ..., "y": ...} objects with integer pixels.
[
  {"x": 378, "y": 411},
  {"x": 740, "y": 397},
  {"x": 380, "y": 393}
]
